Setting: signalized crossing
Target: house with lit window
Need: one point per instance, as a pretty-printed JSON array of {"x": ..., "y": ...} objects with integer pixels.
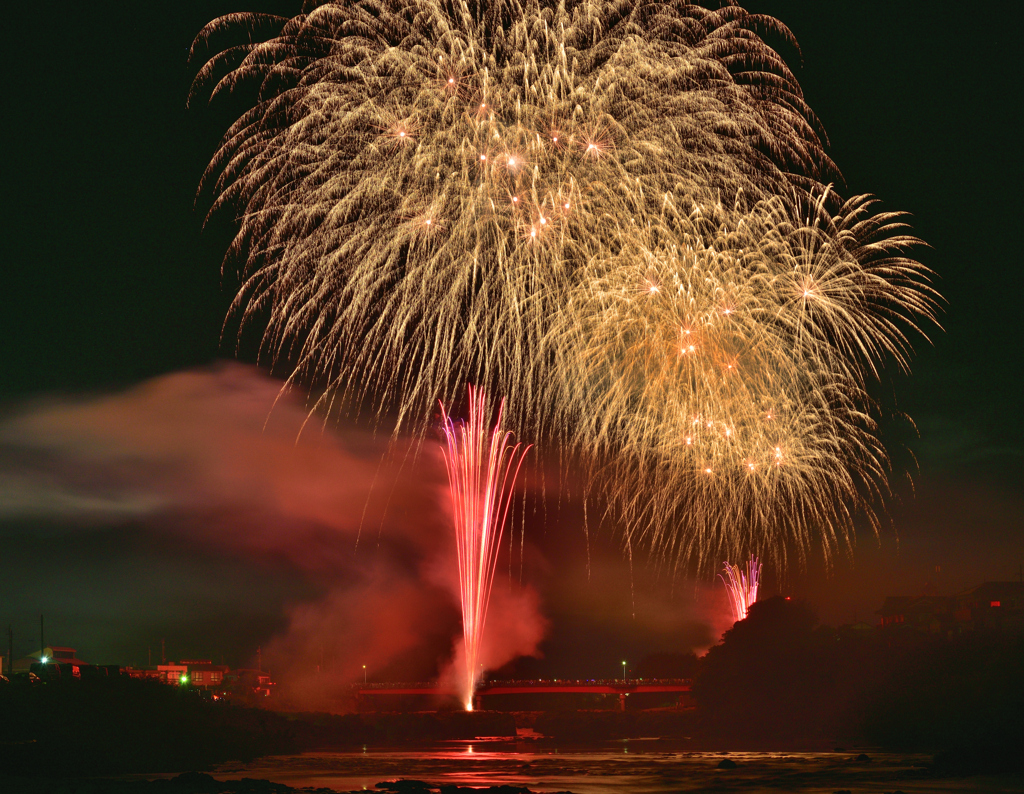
[
  {"x": 991, "y": 606},
  {"x": 929, "y": 614},
  {"x": 201, "y": 673}
]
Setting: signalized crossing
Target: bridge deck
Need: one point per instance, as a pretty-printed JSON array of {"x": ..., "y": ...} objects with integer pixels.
[{"x": 524, "y": 687}]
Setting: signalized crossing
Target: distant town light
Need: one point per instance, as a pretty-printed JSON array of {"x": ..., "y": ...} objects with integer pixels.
[
  {"x": 44, "y": 659},
  {"x": 184, "y": 678}
]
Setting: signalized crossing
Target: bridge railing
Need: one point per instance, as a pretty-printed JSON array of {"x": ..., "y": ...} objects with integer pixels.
[{"x": 532, "y": 682}]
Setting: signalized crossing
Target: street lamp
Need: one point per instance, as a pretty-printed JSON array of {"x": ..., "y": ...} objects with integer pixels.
[
  {"x": 623, "y": 671},
  {"x": 364, "y": 675}
]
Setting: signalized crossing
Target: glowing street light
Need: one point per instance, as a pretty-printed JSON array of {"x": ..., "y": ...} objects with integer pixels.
[
  {"x": 44, "y": 659},
  {"x": 623, "y": 671},
  {"x": 364, "y": 675}
]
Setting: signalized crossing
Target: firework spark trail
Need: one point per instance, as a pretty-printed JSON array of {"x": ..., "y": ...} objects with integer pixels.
[
  {"x": 742, "y": 586},
  {"x": 616, "y": 215},
  {"x": 482, "y": 470}
]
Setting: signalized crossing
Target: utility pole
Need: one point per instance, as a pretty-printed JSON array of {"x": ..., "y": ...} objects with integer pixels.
[
  {"x": 259, "y": 658},
  {"x": 42, "y": 641},
  {"x": 10, "y": 650},
  {"x": 163, "y": 653}
]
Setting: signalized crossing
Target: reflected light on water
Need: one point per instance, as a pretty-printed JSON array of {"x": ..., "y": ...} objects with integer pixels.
[{"x": 653, "y": 767}]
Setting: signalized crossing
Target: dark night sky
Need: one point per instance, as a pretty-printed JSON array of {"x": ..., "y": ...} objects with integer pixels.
[{"x": 109, "y": 282}]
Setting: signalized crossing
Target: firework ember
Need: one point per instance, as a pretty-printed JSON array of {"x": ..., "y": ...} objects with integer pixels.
[
  {"x": 618, "y": 215},
  {"x": 742, "y": 586},
  {"x": 482, "y": 468}
]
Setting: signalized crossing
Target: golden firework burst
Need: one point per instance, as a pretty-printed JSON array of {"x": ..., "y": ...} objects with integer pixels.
[{"x": 618, "y": 216}]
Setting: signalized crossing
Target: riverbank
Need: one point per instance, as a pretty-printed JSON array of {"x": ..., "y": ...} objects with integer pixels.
[
  {"x": 201, "y": 783},
  {"x": 66, "y": 738},
  {"x": 461, "y": 768}
]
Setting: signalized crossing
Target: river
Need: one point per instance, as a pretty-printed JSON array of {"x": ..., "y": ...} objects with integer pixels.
[{"x": 629, "y": 767}]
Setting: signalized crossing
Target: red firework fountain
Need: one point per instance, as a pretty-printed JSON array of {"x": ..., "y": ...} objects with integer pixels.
[
  {"x": 482, "y": 468},
  {"x": 742, "y": 586}
]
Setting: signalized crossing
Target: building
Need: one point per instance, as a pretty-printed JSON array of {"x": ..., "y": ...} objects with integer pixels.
[
  {"x": 201, "y": 673},
  {"x": 53, "y": 655},
  {"x": 928, "y": 614},
  {"x": 255, "y": 681},
  {"x": 245, "y": 685},
  {"x": 991, "y": 606}
]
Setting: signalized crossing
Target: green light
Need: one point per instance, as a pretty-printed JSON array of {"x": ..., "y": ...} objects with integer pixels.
[
  {"x": 184, "y": 679},
  {"x": 45, "y": 659}
]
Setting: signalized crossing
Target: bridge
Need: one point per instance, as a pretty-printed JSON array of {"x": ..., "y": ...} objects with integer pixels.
[{"x": 607, "y": 686}]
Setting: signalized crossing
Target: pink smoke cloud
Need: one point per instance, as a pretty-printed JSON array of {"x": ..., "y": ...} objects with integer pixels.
[{"x": 221, "y": 459}]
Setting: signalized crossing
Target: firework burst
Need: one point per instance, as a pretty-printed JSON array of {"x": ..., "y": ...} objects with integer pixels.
[
  {"x": 482, "y": 470},
  {"x": 618, "y": 216},
  {"x": 742, "y": 586}
]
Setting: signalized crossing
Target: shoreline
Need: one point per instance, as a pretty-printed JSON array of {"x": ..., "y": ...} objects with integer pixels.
[{"x": 423, "y": 771}]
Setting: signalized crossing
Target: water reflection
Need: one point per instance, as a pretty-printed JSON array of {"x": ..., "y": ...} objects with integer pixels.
[{"x": 650, "y": 767}]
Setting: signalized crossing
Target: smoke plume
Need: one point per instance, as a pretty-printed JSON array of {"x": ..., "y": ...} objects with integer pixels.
[{"x": 218, "y": 462}]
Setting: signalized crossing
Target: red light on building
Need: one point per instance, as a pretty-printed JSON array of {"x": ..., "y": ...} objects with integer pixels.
[{"x": 994, "y": 604}]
